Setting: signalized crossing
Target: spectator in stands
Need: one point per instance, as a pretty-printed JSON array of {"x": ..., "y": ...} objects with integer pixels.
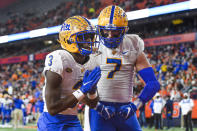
[
  {"x": 193, "y": 93},
  {"x": 163, "y": 70},
  {"x": 158, "y": 105},
  {"x": 169, "y": 112},
  {"x": 185, "y": 65},
  {"x": 177, "y": 68},
  {"x": 33, "y": 83},
  {"x": 186, "y": 107},
  {"x": 151, "y": 122},
  {"x": 142, "y": 118},
  {"x": 158, "y": 66},
  {"x": 37, "y": 93},
  {"x": 175, "y": 93}
]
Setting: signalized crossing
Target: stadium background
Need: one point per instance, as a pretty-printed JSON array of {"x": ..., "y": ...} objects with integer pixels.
[{"x": 170, "y": 41}]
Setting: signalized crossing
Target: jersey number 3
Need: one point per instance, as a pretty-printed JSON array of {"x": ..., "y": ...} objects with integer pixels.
[
  {"x": 117, "y": 63},
  {"x": 50, "y": 60}
]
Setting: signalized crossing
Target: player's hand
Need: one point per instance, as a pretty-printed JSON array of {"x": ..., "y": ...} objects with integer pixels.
[
  {"x": 106, "y": 112},
  {"x": 127, "y": 111},
  {"x": 90, "y": 80}
]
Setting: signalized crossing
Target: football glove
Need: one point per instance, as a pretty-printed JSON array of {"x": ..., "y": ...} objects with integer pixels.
[
  {"x": 106, "y": 112},
  {"x": 127, "y": 111},
  {"x": 90, "y": 80}
]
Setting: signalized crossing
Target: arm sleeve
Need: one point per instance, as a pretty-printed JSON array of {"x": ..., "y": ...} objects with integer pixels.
[{"x": 152, "y": 85}]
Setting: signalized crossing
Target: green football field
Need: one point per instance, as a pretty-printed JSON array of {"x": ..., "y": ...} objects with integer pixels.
[
  {"x": 144, "y": 129},
  {"x": 18, "y": 129}
]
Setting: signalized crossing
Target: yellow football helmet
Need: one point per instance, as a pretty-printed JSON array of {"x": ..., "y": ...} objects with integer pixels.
[
  {"x": 112, "y": 18},
  {"x": 75, "y": 32}
]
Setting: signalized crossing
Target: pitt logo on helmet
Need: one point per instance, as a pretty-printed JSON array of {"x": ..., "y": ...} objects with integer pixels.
[
  {"x": 112, "y": 19},
  {"x": 65, "y": 27},
  {"x": 75, "y": 33}
]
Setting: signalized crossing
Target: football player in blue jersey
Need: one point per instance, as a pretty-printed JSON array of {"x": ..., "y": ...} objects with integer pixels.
[
  {"x": 120, "y": 55},
  {"x": 66, "y": 82}
]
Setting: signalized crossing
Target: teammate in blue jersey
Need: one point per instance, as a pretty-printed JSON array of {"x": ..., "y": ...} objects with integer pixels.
[
  {"x": 119, "y": 56},
  {"x": 39, "y": 107},
  {"x": 6, "y": 109},
  {"x": 17, "y": 112},
  {"x": 66, "y": 81}
]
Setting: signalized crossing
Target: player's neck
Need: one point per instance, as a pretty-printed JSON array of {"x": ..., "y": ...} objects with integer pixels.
[{"x": 81, "y": 59}]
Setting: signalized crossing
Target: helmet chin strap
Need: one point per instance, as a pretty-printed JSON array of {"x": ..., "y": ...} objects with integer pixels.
[{"x": 85, "y": 52}]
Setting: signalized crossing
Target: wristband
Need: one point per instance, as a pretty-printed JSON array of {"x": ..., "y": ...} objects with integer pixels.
[
  {"x": 78, "y": 94},
  {"x": 92, "y": 96}
]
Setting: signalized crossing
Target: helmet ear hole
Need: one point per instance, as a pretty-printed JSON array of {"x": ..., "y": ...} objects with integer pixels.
[{"x": 68, "y": 41}]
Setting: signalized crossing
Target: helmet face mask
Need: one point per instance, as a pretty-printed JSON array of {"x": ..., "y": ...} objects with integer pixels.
[
  {"x": 85, "y": 41},
  {"x": 77, "y": 35},
  {"x": 111, "y": 37},
  {"x": 113, "y": 20}
]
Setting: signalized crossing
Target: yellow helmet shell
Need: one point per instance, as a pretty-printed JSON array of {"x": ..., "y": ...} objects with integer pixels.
[
  {"x": 114, "y": 16},
  {"x": 69, "y": 28}
]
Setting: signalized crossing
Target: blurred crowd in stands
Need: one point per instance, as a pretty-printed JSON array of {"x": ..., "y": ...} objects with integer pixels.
[
  {"x": 27, "y": 21},
  {"x": 21, "y": 82},
  {"x": 165, "y": 27},
  {"x": 172, "y": 63},
  {"x": 26, "y": 49},
  {"x": 174, "y": 69}
]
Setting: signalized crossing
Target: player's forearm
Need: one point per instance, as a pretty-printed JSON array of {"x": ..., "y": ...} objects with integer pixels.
[{"x": 57, "y": 106}]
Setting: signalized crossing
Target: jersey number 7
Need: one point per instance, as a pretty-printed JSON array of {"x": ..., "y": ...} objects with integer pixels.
[{"x": 117, "y": 63}]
